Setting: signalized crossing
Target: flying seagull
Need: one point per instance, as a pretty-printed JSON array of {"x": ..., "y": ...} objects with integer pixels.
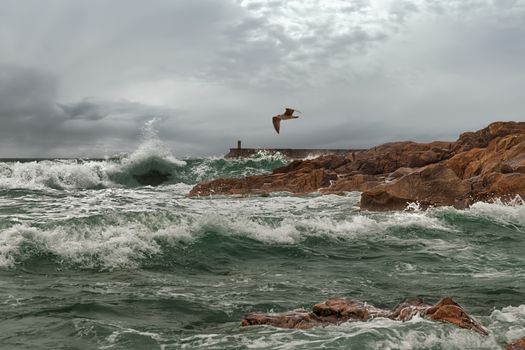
[{"x": 288, "y": 114}]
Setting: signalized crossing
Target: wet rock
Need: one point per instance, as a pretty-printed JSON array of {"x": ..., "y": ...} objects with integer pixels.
[
  {"x": 408, "y": 309},
  {"x": 357, "y": 182},
  {"x": 339, "y": 310},
  {"x": 518, "y": 344},
  {"x": 434, "y": 185},
  {"x": 299, "y": 319},
  {"x": 480, "y": 165},
  {"x": 303, "y": 181},
  {"x": 344, "y": 309},
  {"x": 447, "y": 310}
]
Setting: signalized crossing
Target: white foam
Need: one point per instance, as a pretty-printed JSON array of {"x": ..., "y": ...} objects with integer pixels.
[
  {"x": 117, "y": 242},
  {"x": 507, "y": 213},
  {"x": 283, "y": 233},
  {"x": 115, "y": 246},
  {"x": 217, "y": 167},
  {"x": 73, "y": 174},
  {"x": 151, "y": 146},
  {"x": 130, "y": 222},
  {"x": 87, "y": 328},
  {"x": 379, "y": 333},
  {"x": 64, "y": 174}
]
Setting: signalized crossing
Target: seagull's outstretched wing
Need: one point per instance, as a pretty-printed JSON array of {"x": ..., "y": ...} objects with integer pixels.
[
  {"x": 276, "y": 123},
  {"x": 288, "y": 111}
]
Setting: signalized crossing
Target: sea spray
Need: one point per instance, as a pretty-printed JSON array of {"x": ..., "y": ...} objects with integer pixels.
[
  {"x": 92, "y": 260},
  {"x": 151, "y": 146},
  {"x": 116, "y": 228},
  {"x": 54, "y": 174},
  {"x": 152, "y": 158},
  {"x": 148, "y": 267},
  {"x": 151, "y": 163}
]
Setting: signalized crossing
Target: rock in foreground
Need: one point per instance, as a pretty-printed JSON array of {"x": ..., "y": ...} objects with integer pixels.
[
  {"x": 480, "y": 165},
  {"x": 339, "y": 310},
  {"x": 517, "y": 345}
]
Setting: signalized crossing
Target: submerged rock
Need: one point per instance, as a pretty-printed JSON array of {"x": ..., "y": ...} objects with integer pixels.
[
  {"x": 339, "y": 310},
  {"x": 480, "y": 165}
]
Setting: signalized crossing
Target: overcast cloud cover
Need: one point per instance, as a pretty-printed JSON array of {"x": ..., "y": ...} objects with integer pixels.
[{"x": 80, "y": 78}]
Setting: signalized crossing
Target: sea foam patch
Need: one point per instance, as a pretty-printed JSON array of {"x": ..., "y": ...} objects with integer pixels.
[{"x": 507, "y": 213}]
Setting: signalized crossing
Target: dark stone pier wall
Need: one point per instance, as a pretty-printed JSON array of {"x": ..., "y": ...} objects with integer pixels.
[{"x": 292, "y": 153}]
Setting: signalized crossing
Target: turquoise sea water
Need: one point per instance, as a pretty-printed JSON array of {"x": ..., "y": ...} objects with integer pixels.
[{"x": 91, "y": 259}]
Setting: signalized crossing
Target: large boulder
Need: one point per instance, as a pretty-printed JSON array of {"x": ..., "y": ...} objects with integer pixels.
[{"x": 434, "y": 185}]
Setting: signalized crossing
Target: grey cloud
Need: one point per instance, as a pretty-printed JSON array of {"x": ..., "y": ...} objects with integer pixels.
[
  {"x": 25, "y": 91},
  {"x": 34, "y": 124},
  {"x": 32, "y": 119},
  {"x": 403, "y": 9},
  {"x": 216, "y": 71},
  {"x": 263, "y": 53},
  {"x": 93, "y": 109}
]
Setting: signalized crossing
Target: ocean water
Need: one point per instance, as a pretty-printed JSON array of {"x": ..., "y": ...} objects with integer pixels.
[{"x": 90, "y": 258}]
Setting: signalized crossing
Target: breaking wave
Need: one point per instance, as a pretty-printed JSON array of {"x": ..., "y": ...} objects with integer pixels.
[
  {"x": 114, "y": 240},
  {"x": 152, "y": 163}
]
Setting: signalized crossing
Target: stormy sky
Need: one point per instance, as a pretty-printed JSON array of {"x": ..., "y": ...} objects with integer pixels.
[{"x": 80, "y": 78}]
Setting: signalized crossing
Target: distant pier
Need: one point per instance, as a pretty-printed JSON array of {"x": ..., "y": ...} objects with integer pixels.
[{"x": 292, "y": 153}]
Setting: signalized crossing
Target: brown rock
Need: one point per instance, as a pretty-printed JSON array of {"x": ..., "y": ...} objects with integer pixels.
[
  {"x": 480, "y": 165},
  {"x": 304, "y": 180},
  {"x": 338, "y": 310},
  {"x": 494, "y": 171},
  {"x": 518, "y": 344},
  {"x": 507, "y": 151},
  {"x": 358, "y": 182},
  {"x": 344, "y": 309},
  {"x": 389, "y": 157},
  {"x": 408, "y": 309},
  {"x": 481, "y": 138},
  {"x": 433, "y": 185},
  {"x": 447, "y": 310},
  {"x": 296, "y": 319},
  {"x": 401, "y": 172}
]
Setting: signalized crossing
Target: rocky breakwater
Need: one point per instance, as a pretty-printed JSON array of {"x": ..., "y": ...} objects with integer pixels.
[{"x": 480, "y": 165}]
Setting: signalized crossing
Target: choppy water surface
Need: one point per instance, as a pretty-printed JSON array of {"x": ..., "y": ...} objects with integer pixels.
[{"x": 91, "y": 260}]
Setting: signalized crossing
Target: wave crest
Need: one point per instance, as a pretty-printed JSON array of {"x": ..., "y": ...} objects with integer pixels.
[
  {"x": 152, "y": 163},
  {"x": 128, "y": 240}
]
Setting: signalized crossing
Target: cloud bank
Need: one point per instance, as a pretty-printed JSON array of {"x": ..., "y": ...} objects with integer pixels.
[{"x": 81, "y": 78}]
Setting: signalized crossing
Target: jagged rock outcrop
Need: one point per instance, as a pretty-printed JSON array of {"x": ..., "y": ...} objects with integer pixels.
[
  {"x": 480, "y": 165},
  {"x": 339, "y": 310},
  {"x": 471, "y": 173}
]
